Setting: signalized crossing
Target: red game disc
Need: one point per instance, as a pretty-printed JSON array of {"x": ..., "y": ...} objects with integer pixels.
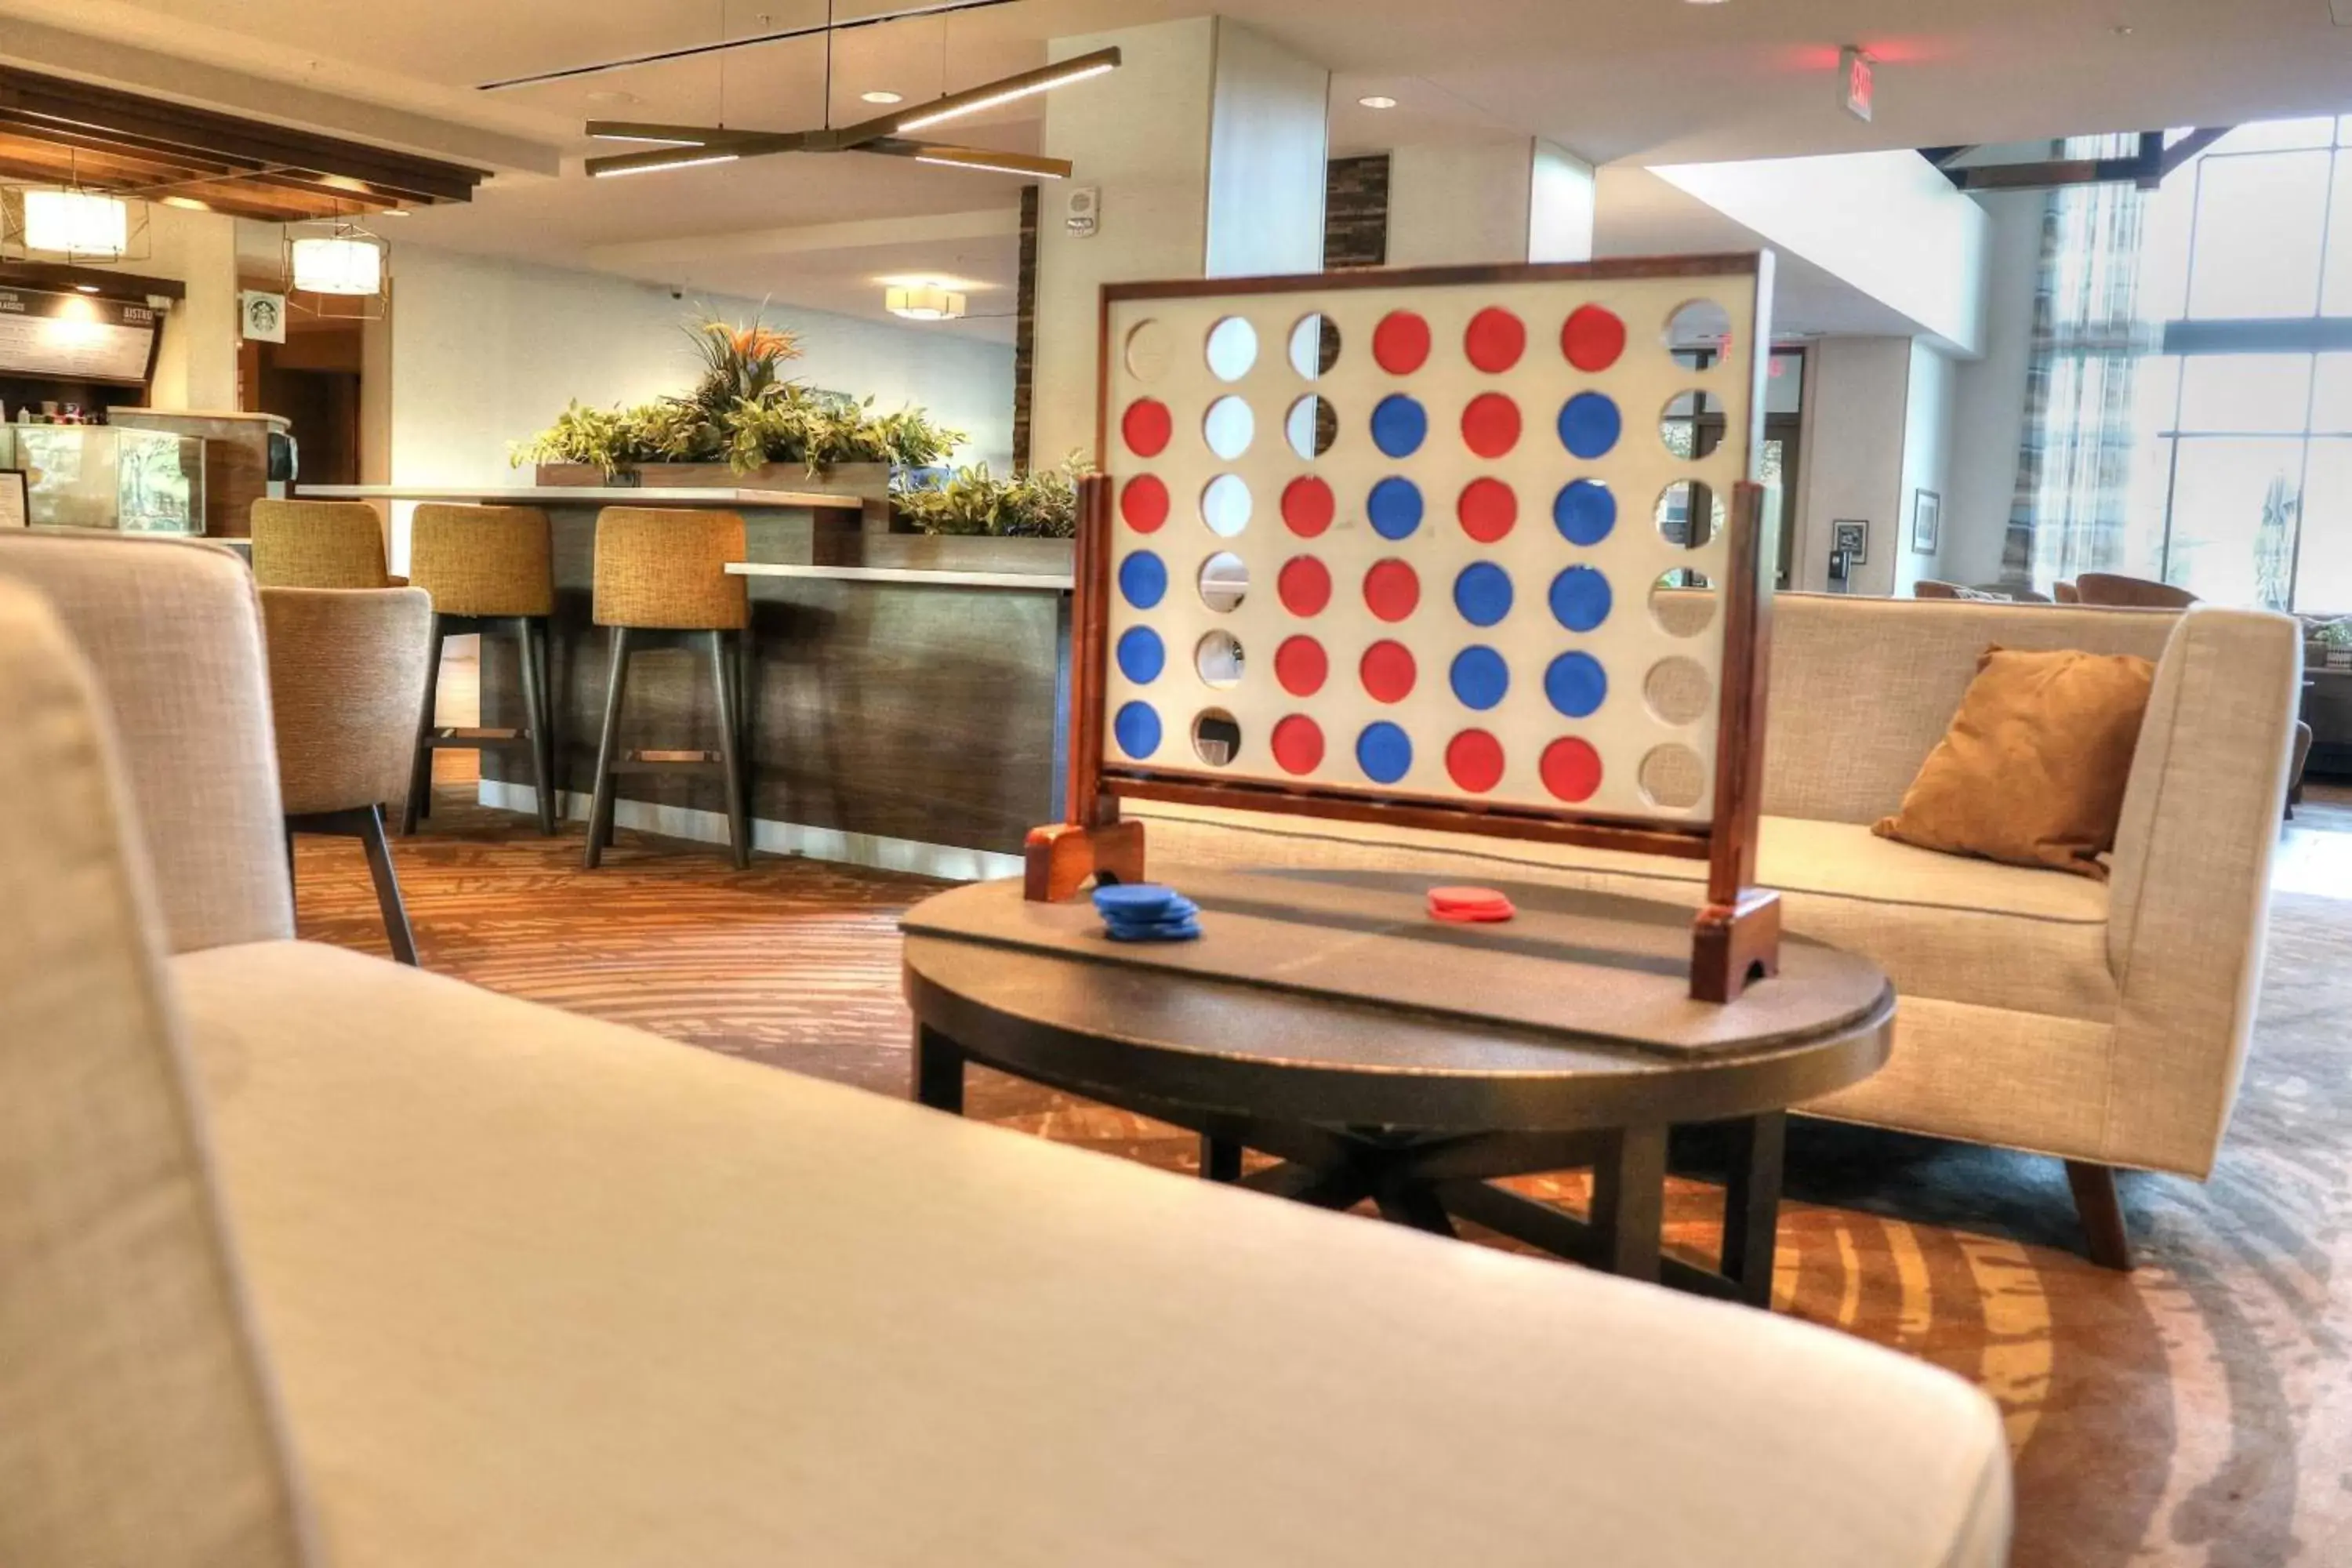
[
  {"x": 1496, "y": 340},
  {"x": 1593, "y": 338},
  {"x": 1146, "y": 425},
  {"x": 1144, "y": 503},
  {"x": 1298, "y": 744},
  {"x": 1303, "y": 585},
  {"x": 1399, "y": 343},
  {"x": 1301, "y": 665},
  {"x": 1488, "y": 509},
  {"x": 1469, "y": 904},
  {"x": 1571, "y": 769},
  {"x": 1490, "y": 424},
  {"x": 1308, "y": 507},
  {"x": 1474, "y": 759},
  {"x": 1391, "y": 591},
  {"x": 1387, "y": 672}
]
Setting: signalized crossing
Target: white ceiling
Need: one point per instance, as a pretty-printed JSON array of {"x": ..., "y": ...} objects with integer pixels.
[{"x": 1646, "y": 81}]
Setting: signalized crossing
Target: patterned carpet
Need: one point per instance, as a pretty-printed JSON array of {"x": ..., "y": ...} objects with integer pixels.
[{"x": 2197, "y": 1412}]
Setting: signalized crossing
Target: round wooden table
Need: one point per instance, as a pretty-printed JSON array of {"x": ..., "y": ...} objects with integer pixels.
[{"x": 1268, "y": 1035}]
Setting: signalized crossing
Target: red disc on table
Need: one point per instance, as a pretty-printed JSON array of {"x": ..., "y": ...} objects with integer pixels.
[
  {"x": 1401, "y": 343},
  {"x": 1490, "y": 426},
  {"x": 1298, "y": 744},
  {"x": 1592, "y": 339},
  {"x": 1488, "y": 509},
  {"x": 1474, "y": 759},
  {"x": 1308, "y": 507},
  {"x": 1144, "y": 503},
  {"x": 1146, "y": 426},
  {"x": 1301, "y": 665},
  {"x": 1303, "y": 585},
  {"x": 1387, "y": 672},
  {"x": 1571, "y": 769},
  {"x": 1469, "y": 905},
  {"x": 1391, "y": 591},
  {"x": 1495, "y": 340}
]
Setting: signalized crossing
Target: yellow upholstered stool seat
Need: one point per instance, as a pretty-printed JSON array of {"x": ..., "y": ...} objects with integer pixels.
[
  {"x": 486, "y": 564},
  {"x": 319, "y": 544},
  {"x": 661, "y": 576}
]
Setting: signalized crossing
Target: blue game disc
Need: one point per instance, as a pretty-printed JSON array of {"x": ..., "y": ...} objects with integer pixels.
[
  {"x": 1141, "y": 655},
  {"x": 1479, "y": 677},
  {"x": 1584, "y": 511},
  {"x": 1137, "y": 728},
  {"x": 1168, "y": 913},
  {"x": 1143, "y": 579},
  {"x": 1590, "y": 425},
  {"x": 1393, "y": 507},
  {"x": 1400, "y": 426},
  {"x": 1576, "y": 685},
  {"x": 1579, "y": 598},
  {"x": 1188, "y": 931},
  {"x": 1483, "y": 593},
  {"x": 1384, "y": 752},
  {"x": 1127, "y": 927},
  {"x": 1135, "y": 897}
]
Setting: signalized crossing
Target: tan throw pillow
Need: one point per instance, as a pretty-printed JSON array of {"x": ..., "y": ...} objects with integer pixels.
[{"x": 2033, "y": 770}]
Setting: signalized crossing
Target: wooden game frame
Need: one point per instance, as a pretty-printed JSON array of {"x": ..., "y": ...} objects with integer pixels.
[{"x": 1736, "y": 936}]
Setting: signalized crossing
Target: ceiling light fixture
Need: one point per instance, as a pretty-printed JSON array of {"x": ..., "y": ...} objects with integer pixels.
[
  {"x": 927, "y": 302},
  {"x": 990, "y": 161},
  {"x": 880, "y": 96},
  {"x": 1378, "y": 100},
  {"x": 956, "y": 105},
  {"x": 186, "y": 204},
  {"x": 345, "y": 263},
  {"x": 87, "y": 287},
  {"x": 85, "y": 225},
  {"x": 615, "y": 167}
]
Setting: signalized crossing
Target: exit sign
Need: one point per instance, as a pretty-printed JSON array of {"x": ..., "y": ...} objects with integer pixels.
[{"x": 1854, "y": 81}]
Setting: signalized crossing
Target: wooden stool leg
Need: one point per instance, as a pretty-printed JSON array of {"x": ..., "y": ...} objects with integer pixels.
[
  {"x": 600, "y": 810},
  {"x": 387, "y": 885},
  {"x": 1752, "y": 1204},
  {"x": 420, "y": 772},
  {"x": 723, "y": 679},
  {"x": 1629, "y": 1196},
  {"x": 534, "y": 705}
]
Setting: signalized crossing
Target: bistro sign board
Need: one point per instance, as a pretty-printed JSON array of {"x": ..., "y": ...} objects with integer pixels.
[{"x": 76, "y": 337}]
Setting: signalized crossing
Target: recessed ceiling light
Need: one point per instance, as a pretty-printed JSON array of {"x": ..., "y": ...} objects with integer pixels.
[
  {"x": 87, "y": 287},
  {"x": 609, "y": 95},
  {"x": 881, "y": 95},
  {"x": 1378, "y": 100}
]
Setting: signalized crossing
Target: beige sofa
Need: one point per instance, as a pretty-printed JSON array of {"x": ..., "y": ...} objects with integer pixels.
[
  {"x": 307, "y": 1259},
  {"x": 2102, "y": 1022}
]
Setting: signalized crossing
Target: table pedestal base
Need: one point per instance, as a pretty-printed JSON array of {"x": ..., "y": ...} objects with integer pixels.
[{"x": 1429, "y": 1180}]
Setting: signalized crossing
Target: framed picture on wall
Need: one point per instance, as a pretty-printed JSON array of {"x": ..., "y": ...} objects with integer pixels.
[
  {"x": 16, "y": 505},
  {"x": 1927, "y": 521}
]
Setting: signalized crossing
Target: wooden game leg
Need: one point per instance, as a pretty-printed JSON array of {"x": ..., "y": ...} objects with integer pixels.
[
  {"x": 1061, "y": 857},
  {"x": 1732, "y": 946}
]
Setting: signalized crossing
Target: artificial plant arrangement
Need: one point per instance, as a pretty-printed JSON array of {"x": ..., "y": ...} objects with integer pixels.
[
  {"x": 744, "y": 411},
  {"x": 1040, "y": 504},
  {"x": 2336, "y": 637}
]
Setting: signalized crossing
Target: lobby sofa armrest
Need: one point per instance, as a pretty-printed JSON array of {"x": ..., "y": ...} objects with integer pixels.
[{"x": 2191, "y": 876}]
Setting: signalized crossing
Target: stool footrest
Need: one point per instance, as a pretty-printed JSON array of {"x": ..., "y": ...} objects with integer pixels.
[
  {"x": 658, "y": 761},
  {"x": 460, "y": 735}
]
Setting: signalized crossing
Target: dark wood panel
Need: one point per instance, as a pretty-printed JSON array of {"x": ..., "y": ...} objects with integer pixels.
[{"x": 899, "y": 710}]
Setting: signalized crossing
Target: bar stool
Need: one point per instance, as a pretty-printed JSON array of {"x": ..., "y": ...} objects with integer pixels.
[
  {"x": 346, "y": 672},
  {"x": 319, "y": 544},
  {"x": 485, "y": 564},
  {"x": 661, "y": 579}
]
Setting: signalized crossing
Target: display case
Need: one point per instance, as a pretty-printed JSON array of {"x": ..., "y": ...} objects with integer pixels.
[{"x": 91, "y": 475}]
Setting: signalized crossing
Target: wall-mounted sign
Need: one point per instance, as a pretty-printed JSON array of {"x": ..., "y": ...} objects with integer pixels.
[
  {"x": 75, "y": 337},
  {"x": 262, "y": 317},
  {"x": 1855, "y": 81}
]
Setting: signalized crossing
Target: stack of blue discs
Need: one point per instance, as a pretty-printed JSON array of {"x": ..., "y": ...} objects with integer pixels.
[{"x": 1146, "y": 911}]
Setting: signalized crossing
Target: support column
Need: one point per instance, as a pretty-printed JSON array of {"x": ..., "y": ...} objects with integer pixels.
[
  {"x": 1524, "y": 199},
  {"x": 1208, "y": 146},
  {"x": 197, "y": 365}
]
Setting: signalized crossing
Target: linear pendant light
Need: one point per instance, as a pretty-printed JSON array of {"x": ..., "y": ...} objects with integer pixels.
[{"x": 973, "y": 100}]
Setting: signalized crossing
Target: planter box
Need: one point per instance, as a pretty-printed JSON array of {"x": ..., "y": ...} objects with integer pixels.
[{"x": 868, "y": 481}]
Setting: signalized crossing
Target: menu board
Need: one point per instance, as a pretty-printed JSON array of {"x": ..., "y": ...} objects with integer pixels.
[{"x": 75, "y": 337}]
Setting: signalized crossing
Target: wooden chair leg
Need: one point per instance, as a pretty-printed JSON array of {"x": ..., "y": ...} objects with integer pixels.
[
  {"x": 534, "y": 704},
  {"x": 600, "y": 809},
  {"x": 420, "y": 772},
  {"x": 2108, "y": 1238},
  {"x": 723, "y": 679},
  {"x": 387, "y": 886}
]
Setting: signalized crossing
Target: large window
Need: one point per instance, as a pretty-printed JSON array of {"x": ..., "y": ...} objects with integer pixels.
[{"x": 2241, "y": 457}]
